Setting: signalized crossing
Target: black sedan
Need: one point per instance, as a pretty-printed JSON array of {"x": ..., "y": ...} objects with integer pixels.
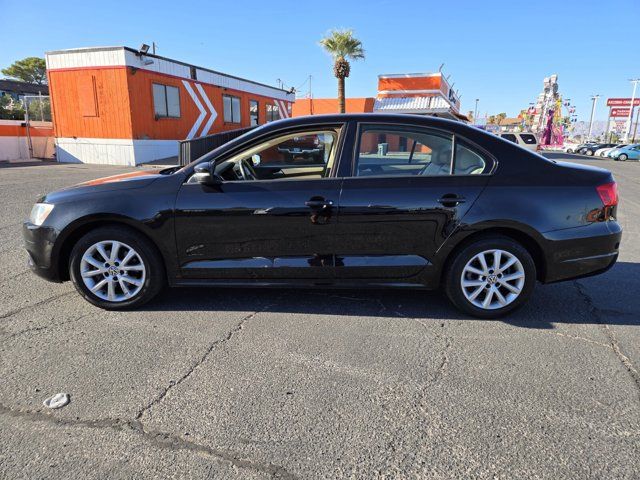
[
  {"x": 590, "y": 149},
  {"x": 398, "y": 201}
]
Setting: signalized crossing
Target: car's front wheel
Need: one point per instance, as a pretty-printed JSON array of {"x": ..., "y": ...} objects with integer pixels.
[
  {"x": 623, "y": 157},
  {"x": 491, "y": 277},
  {"x": 116, "y": 268},
  {"x": 589, "y": 153}
]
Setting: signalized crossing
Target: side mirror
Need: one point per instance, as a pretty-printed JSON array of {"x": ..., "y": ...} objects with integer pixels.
[{"x": 203, "y": 174}]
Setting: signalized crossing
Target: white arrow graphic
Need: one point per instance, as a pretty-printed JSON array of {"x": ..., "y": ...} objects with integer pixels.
[
  {"x": 203, "y": 112},
  {"x": 284, "y": 113},
  {"x": 214, "y": 114}
]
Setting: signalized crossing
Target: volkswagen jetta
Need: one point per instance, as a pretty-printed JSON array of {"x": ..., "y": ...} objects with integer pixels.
[{"x": 393, "y": 201}]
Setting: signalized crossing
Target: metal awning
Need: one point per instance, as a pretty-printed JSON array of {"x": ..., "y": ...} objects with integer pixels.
[{"x": 421, "y": 104}]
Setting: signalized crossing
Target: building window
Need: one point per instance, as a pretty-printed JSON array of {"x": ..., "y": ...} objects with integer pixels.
[
  {"x": 231, "y": 109},
  {"x": 254, "y": 115},
  {"x": 166, "y": 101},
  {"x": 272, "y": 113}
]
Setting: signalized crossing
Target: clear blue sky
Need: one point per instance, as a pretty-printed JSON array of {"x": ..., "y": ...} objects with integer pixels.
[{"x": 498, "y": 51}]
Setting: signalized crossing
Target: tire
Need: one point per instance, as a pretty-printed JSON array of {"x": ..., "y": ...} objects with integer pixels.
[
  {"x": 130, "y": 284},
  {"x": 589, "y": 153},
  {"x": 468, "y": 257},
  {"x": 569, "y": 150},
  {"x": 623, "y": 157}
]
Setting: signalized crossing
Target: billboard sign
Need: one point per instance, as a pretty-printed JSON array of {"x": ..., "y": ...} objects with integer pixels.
[
  {"x": 619, "y": 112},
  {"x": 622, "y": 102}
]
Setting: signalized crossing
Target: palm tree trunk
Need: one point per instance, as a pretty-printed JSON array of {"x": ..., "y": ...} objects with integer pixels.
[{"x": 341, "y": 100}]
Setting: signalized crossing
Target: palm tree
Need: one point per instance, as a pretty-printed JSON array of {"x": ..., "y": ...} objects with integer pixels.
[{"x": 342, "y": 46}]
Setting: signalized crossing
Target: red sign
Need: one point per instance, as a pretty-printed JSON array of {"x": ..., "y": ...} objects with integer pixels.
[
  {"x": 622, "y": 102},
  {"x": 619, "y": 112}
]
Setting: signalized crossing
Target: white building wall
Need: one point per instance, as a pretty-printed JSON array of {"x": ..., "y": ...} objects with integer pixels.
[
  {"x": 122, "y": 152},
  {"x": 14, "y": 148}
]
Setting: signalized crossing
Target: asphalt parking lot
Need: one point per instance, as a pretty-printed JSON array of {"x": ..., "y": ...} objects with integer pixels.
[{"x": 253, "y": 384}]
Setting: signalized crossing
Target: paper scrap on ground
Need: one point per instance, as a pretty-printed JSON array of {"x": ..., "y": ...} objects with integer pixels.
[{"x": 59, "y": 400}]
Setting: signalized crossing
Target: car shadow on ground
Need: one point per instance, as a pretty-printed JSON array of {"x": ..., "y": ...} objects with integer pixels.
[
  {"x": 610, "y": 298},
  {"x": 33, "y": 163}
]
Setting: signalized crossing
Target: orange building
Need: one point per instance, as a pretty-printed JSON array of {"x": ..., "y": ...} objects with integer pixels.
[
  {"x": 118, "y": 105},
  {"x": 417, "y": 93}
]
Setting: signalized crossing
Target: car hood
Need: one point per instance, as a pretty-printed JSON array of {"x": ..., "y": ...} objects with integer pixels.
[{"x": 124, "y": 181}]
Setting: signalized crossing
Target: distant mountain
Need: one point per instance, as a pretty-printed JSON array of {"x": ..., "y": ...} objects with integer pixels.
[{"x": 582, "y": 128}]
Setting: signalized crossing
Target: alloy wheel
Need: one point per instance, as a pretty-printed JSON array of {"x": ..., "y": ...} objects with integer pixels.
[
  {"x": 112, "y": 271},
  {"x": 492, "y": 279}
]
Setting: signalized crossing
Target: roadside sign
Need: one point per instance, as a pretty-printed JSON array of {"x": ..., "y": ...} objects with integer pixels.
[
  {"x": 622, "y": 102},
  {"x": 619, "y": 112}
]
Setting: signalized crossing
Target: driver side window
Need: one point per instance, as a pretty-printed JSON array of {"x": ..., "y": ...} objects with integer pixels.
[{"x": 298, "y": 155}]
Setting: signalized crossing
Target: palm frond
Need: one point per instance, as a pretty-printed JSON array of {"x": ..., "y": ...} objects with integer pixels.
[{"x": 342, "y": 44}]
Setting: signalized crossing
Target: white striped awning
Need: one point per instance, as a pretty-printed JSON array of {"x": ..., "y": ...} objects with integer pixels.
[{"x": 425, "y": 105}]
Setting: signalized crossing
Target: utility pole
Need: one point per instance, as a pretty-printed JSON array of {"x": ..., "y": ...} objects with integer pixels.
[
  {"x": 635, "y": 130},
  {"x": 594, "y": 99},
  {"x": 627, "y": 129},
  {"x": 475, "y": 113}
]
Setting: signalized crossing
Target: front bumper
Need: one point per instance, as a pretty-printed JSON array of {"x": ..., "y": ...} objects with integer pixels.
[
  {"x": 39, "y": 241},
  {"x": 582, "y": 252}
]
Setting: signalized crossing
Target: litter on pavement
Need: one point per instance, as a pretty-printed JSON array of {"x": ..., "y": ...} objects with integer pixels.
[{"x": 59, "y": 400}]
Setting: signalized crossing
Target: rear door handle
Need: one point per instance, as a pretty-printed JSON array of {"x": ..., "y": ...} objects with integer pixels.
[{"x": 451, "y": 199}]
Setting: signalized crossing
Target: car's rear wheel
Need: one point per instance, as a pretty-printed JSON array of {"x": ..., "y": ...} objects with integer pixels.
[
  {"x": 589, "y": 153},
  {"x": 116, "y": 268},
  {"x": 569, "y": 150},
  {"x": 623, "y": 157},
  {"x": 491, "y": 277}
]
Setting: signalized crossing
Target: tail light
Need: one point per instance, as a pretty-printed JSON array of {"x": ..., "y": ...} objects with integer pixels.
[{"x": 608, "y": 194}]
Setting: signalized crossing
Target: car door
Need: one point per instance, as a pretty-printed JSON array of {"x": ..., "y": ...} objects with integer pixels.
[
  {"x": 281, "y": 225},
  {"x": 403, "y": 198}
]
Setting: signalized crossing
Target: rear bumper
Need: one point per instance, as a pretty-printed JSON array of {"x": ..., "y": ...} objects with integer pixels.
[
  {"x": 582, "y": 251},
  {"x": 39, "y": 242}
]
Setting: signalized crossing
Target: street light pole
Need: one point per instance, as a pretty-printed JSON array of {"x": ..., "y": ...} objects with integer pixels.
[
  {"x": 627, "y": 129},
  {"x": 475, "y": 112},
  {"x": 594, "y": 98}
]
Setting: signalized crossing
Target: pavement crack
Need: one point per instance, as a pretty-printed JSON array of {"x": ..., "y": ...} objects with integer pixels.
[
  {"x": 34, "y": 305},
  {"x": 582, "y": 339},
  {"x": 157, "y": 438},
  {"x": 447, "y": 340},
  {"x": 44, "y": 327},
  {"x": 195, "y": 365},
  {"x": 611, "y": 335}
]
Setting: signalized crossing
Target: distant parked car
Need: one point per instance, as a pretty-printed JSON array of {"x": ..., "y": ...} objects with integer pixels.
[
  {"x": 569, "y": 147},
  {"x": 630, "y": 152},
  {"x": 580, "y": 146},
  {"x": 590, "y": 150},
  {"x": 603, "y": 152},
  {"x": 525, "y": 140}
]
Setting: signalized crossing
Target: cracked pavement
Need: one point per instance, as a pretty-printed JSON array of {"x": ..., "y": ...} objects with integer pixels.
[{"x": 256, "y": 384}]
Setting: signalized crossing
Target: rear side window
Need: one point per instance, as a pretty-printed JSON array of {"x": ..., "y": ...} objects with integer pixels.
[
  {"x": 510, "y": 137},
  {"x": 402, "y": 151},
  {"x": 528, "y": 138},
  {"x": 467, "y": 161}
]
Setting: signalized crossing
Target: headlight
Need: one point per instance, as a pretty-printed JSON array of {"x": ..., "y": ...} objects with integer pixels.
[{"x": 40, "y": 212}]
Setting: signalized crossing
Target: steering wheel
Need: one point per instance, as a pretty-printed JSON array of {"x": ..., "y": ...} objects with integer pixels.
[{"x": 246, "y": 170}]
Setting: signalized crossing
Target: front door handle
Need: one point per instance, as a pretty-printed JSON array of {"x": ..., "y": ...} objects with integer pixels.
[
  {"x": 451, "y": 200},
  {"x": 318, "y": 203}
]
